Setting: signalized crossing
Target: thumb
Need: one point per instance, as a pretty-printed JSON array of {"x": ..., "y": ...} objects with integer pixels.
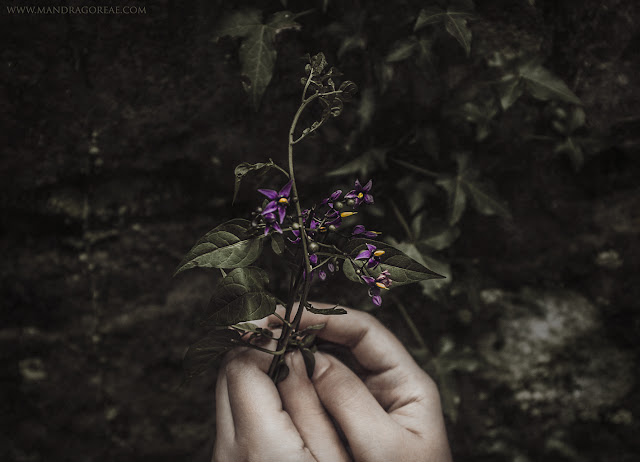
[{"x": 364, "y": 422}]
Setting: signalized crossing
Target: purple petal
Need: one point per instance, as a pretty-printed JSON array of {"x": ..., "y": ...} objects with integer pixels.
[
  {"x": 266, "y": 229},
  {"x": 286, "y": 189},
  {"x": 277, "y": 227},
  {"x": 322, "y": 275},
  {"x": 372, "y": 248},
  {"x": 270, "y": 208},
  {"x": 369, "y": 280},
  {"x": 368, "y": 198},
  {"x": 377, "y": 300},
  {"x": 331, "y": 267},
  {"x": 282, "y": 212},
  {"x": 336, "y": 195},
  {"x": 372, "y": 263},
  {"x": 367, "y": 187},
  {"x": 370, "y": 234},
  {"x": 270, "y": 193},
  {"x": 358, "y": 185},
  {"x": 313, "y": 259},
  {"x": 358, "y": 230},
  {"x": 351, "y": 195},
  {"x": 269, "y": 217},
  {"x": 365, "y": 254}
]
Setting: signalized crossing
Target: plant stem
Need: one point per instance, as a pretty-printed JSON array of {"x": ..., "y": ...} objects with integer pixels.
[{"x": 412, "y": 327}]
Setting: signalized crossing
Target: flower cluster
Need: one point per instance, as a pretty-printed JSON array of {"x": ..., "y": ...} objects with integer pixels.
[
  {"x": 383, "y": 281},
  {"x": 327, "y": 216}
]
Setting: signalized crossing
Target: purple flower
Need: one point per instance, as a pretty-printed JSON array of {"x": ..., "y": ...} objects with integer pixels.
[
  {"x": 271, "y": 223},
  {"x": 279, "y": 200},
  {"x": 361, "y": 193},
  {"x": 359, "y": 230},
  {"x": 332, "y": 198},
  {"x": 296, "y": 232},
  {"x": 372, "y": 255},
  {"x": 313, "y": 259},
  {"x": 383, "y": 281}
]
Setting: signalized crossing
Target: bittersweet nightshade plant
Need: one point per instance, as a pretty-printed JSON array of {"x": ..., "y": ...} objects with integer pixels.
[{"x": 315, "y": 244}]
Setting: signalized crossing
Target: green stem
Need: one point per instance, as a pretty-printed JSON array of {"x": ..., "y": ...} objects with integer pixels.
[{"x": 412, "y": 326}]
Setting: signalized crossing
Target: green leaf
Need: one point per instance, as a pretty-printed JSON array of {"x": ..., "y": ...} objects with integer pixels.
[
  {"x": 455, "y": 22},
  {"x": 430, "y": 288},
  {"x": 483, "y": 201},
  {"x": 277, "y": 243},
  {"x": 509, "y": 90},
  {"x": 309, "y": 361},
  {"x": 457, "y": 197},
  {"x": 245, "y": 168},
  {"x": 282, "y": 373},
  {"x": 402, "y": 269},
  {"x": 573, "y": 150},
  {"x": 239, "y": 297},
  {"x": 257, "y": 51},
  {"x": 230, "y": 245},
  {"x": 402, "y": 50},
  {"x": 205, "y": 351},
  {"x": 441, "y": 239},
  {"x": 457, "y": 26},
  {"x": 369, "y": 161},
  {"x": 543, "y": 85}
]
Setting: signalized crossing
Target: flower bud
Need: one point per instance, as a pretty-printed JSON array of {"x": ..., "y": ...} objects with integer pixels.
[{"x": 314, "y": 247}]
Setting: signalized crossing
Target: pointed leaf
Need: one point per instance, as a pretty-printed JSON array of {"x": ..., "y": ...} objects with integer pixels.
[
  {"x": 431, "y": 15},
  {"x": 442, "y": 239},
  {"x": 456, "y": 25},
  {"x": 282, "y": 373},
  {"x": 429, "y": 287},
  {"x": 277, "y": 243},
  {"x": 230, "y": 245},
  {"x": 483, "y": 201},
  {"x": 509, "y": 91},
  {"x": 239, "y": 23},
  {"x": 201, "y": 354},
  {"x": 309, "y": 361},
  {"x": 239, "y": 297},
  {"x": 245, "y": 168},
  {"x": 543, "y": 85},
  {"x": 402, "y": 50},
  {"x": 403, "y": 269},
  {"x": 457, "y": 197}
]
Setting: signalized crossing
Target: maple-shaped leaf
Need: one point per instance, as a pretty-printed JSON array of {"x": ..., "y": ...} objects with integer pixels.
[
  {"x": 257, "y": 50},
  {"x": 544, "y": 85},
  {"x": 466, "y": 184},
  {"x": 455, "y": 22}
]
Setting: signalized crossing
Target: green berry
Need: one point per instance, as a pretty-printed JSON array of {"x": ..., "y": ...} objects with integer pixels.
[
  {"x": 295, "y": 226},
  {"x": 338, "y": 205},
  {"x": 351, "y": 202},
  {"x": 314, "y": 247}
]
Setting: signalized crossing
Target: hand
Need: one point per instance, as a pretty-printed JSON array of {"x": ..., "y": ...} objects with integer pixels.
[{"x": 392, "y": 414}]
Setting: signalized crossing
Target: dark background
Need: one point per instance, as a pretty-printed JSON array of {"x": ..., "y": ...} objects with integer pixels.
[{"x": 120, "y": 135}]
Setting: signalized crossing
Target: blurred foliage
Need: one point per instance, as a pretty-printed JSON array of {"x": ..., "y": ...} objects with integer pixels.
[{"x": 439, "y": 94}]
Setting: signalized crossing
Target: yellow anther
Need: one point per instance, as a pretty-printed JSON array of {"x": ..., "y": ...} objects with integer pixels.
[
  {"x": 347, "y": 214},
  {"x": 381, "y": 285},
  {"x": 378, "y": 253},
  {"x": 283, "y": 200},
  {"x": 322, "y": 229},
  {"x": 360, "y": 195}
]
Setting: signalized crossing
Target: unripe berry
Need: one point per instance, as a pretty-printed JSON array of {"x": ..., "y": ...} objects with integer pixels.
[
  {"x": 351, "y": 202},
  {"x": 338, "y": 205},
  {"x": 295, "y": 226},
  {"x": 332, "y": 228},
  {"x": 314, "y": 247}
]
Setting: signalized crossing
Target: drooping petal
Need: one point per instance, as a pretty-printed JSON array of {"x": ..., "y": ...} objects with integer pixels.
[
  {"x": 286, "y": 189},
  {"x": 313, "y": 259},
  {"x": 331, "y": 267},
  {"x": 372, "y": 248},
  {"x": 322, "y": 275},
  {"x": 365, "y": 254},
  {"x": 372, "y": 263},
  {"x": 369, "y": 280},
  {"x": 351, "y": 195},
  {"x": 368, "y": 198},
  {"x": 336, "y": 195},
  {"x": 270, "y": 208},
  {"x": 359, "y": 229},
  {"x": 367, "y": 187},
  {"x": 270, "y": 193},
  {"x": 282, "y": 212},
  {"x": 377, "y": 300}
]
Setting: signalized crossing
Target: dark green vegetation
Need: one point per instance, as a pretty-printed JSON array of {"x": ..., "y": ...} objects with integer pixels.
[{"x": 120, "y": 138}]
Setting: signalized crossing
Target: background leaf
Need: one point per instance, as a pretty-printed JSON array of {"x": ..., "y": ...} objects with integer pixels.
[
  {"x": 457, "y": 197},
  {"x": 257, "y": 51},
  {"x": 277, "y": 243},
  {"x": 542, "y": 84},
  {"x": 456, "y": 25},
  {"x": 483, "y": 201},
  {"x": 240, "y": 296},
  {"x": 230, "y": 245}
]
